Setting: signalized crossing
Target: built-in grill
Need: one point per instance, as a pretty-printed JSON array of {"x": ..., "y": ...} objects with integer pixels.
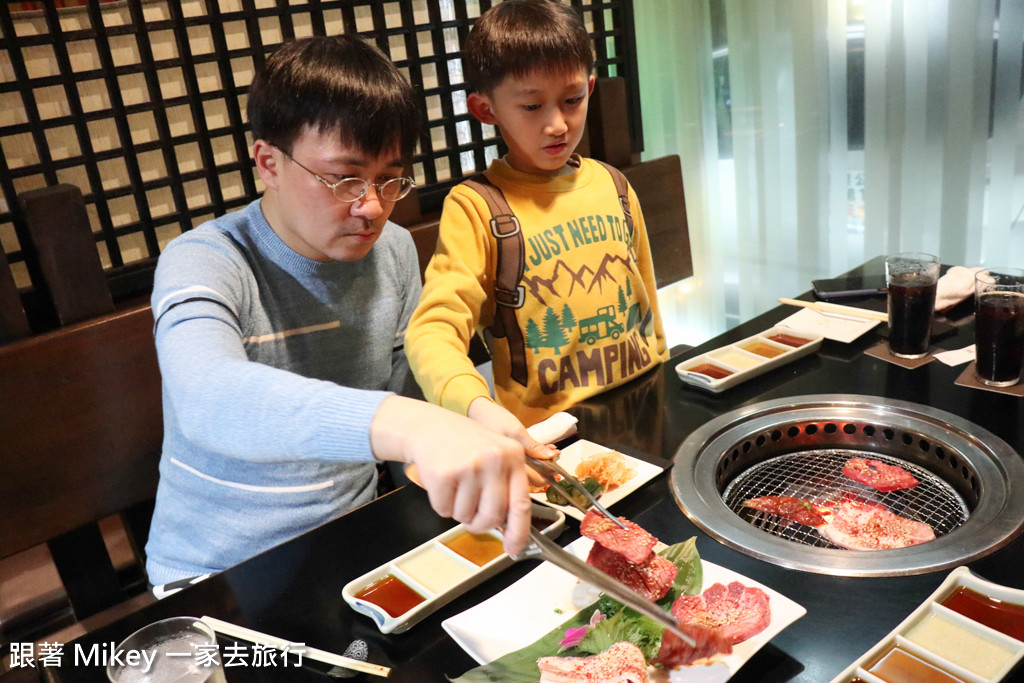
[
  {"x": 817, "y": 477},
  {"x": 971, "y": 489}
]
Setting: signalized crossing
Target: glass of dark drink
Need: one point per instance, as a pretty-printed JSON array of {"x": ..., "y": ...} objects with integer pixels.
[
  {"x": 911, "y": 279},
  {"x": 999, "y": 325}
]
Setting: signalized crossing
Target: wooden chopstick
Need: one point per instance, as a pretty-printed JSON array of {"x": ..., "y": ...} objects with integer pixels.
[
  {"x": 235, "y": 631},
  {"x": 825, "y": 307}
]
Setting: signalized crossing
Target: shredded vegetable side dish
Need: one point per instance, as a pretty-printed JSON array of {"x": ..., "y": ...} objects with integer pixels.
[{"x": 609, "y": 468}]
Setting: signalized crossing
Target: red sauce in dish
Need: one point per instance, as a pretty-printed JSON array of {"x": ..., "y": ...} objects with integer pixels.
[
  {"x": 391, "y": 595},
  {"x": 762, "y": 349},
  {"x": 1004, "y": 617},
  {"x": 712, "y": 371},
  {"x": 788, "y": 339},
  {"x": 897, "y": 665}
]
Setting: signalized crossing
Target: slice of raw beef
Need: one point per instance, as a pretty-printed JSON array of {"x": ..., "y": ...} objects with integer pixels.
[
  {"x": 633, "y": 542},
  {"x": 651, "y": 578},
  {"x": 878, "y": 475},
  {"x": 796, "y": 509},
  {"x": 621, "y": 663},
  {"x": 864, "y": 526},
  {"x": 674, "y": 652},
  {"x": 736, "y": 612}
]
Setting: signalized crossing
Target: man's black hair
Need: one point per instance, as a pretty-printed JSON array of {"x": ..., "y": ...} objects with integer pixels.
[
  {"x": 334, "y": 84},
  {"x": 518, "y": 37}
]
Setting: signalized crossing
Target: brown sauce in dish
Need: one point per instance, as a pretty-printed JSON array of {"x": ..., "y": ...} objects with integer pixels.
[
  {"x": 477, "y": 548},
  {"x": 763, "y": 349},
  {"x": 391, "y": 595},
  {"x": 788, "y": 339},
  {"x": 1004, "y": 617},
  {"x": 541, "y": 523},
  {"x": 896, "y": 665},
  {"x": 712, "y": 371}
]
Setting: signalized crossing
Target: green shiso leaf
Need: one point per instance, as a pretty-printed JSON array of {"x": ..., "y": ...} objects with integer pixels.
[
  {"x": 626, "y": 625},
  {"x": 690, "y": 578},
  {"x": 622, "y": 624}
]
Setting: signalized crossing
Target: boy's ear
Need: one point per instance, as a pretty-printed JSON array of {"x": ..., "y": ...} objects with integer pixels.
[
  {"x": 480, "y": 107},
  {"x": 267, "y": 162},
  {"x": 590, "y": 86}
]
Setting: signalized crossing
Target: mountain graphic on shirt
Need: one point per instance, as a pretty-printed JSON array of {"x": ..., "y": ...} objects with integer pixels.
[{"x": 564, "y": 276}]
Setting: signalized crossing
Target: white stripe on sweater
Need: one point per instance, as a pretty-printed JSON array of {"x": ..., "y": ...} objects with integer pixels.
[
  {"x": 250, "y": 487},
  {"x": 194, "y": 289},
  {"x": 289, "y": 333}
]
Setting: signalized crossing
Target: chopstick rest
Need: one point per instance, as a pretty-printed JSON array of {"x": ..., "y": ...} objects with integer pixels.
[{"x": 235, "y": 631}]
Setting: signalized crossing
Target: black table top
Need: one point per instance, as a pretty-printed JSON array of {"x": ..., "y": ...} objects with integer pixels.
[{"x": 295, "y": 590}]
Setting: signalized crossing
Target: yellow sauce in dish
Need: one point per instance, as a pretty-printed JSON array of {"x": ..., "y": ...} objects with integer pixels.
[
  {"x": 762, "y": 349},
  {"x": 435, "y": 569},
  {"x": 960, "y": 645},
  {"x": 897, "y": 665},
  {"x": 477, "y": 548}
]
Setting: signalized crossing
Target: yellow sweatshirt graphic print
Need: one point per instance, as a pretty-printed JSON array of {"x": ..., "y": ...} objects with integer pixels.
[{"x": 589, "y": 315}]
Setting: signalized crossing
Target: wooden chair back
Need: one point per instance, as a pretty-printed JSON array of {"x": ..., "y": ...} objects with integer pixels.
[{"x": 80, "y": 435}]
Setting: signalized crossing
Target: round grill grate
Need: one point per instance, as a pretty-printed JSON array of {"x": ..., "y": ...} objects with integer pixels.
[
  {"x": 816, "y": 476},
  {"x": 970, "y": 489}
]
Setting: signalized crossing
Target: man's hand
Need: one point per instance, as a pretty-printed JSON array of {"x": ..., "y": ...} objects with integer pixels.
[
  {"x": 499, "y": 419},
  {"x": 471, "y": 473}
]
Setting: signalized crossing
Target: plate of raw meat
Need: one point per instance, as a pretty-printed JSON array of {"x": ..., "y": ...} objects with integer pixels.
[{"x": 546, "y": 597}]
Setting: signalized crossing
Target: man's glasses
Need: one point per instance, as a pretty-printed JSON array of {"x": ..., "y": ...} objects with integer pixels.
[{"x": 350, "y": 190}]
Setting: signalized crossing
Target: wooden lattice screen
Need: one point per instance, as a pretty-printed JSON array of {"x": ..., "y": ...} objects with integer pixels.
[{"x": 140, "y": 103}]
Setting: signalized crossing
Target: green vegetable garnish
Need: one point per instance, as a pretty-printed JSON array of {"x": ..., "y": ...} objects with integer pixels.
[
  {"x": 626, "y": 625},
  {"x": 622, "y": 624}
]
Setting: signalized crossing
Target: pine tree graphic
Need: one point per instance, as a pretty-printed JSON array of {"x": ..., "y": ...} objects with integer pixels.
[
  {"x": 534, "y": 338},
  {"x": 629, "y": 288},
  {"x": 622, "y": 300},
  {"x": 568, "y": 319},
  {"x": 554, "y": 335}
]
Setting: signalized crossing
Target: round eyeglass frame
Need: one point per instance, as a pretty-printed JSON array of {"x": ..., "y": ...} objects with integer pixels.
[{"x": 345, "y": 189}]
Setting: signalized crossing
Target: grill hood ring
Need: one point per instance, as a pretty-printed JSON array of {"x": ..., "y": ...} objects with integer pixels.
[{"x": 984, "y": 470}]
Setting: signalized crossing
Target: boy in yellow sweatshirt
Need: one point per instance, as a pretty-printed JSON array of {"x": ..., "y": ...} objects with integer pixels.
[{"x": 579, "y": 315}]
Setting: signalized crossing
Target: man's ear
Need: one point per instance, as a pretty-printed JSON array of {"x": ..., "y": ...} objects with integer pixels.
[
  {"x": 268, "y": 161},
  {"x": 480, "y": 107}
]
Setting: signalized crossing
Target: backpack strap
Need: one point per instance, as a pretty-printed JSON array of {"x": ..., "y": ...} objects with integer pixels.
[
  {"x": 509, "y": 294},
  {"x": 622, "y": 189}
]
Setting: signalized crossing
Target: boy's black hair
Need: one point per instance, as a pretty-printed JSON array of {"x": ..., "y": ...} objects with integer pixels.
[
  {"x": 517, "y": 37},
  {"x": 336, "y": 83}
]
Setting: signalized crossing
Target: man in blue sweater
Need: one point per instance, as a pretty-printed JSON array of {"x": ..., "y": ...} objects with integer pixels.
[{"x": 280, "y": 327}]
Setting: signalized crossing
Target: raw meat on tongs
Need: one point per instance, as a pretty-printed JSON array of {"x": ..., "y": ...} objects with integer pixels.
[
  {"x": 853, "y": 524},
  {"x": 627, "y": 555},
  {"x": 651, "y": 578},
  {"x": 633, "y": 542},
  {"x": 623, "y": 662}
]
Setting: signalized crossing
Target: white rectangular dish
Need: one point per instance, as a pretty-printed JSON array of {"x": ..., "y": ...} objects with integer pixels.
[
  {"x": 420, "y": 581},
  {"x": 732, "y": 364},
  {"x": 575, "y": 452},
  {"x": 543, "y": 599},
  {"x": 961, "y": 632}
]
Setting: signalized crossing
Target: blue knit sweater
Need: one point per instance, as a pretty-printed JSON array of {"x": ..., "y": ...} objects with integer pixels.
[{"x": 273, "y": 366}]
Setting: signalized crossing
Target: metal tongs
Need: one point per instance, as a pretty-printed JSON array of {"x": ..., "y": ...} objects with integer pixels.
[
  {"x": 549, "y": 468},
  {"x": 541, "y": 546}
]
